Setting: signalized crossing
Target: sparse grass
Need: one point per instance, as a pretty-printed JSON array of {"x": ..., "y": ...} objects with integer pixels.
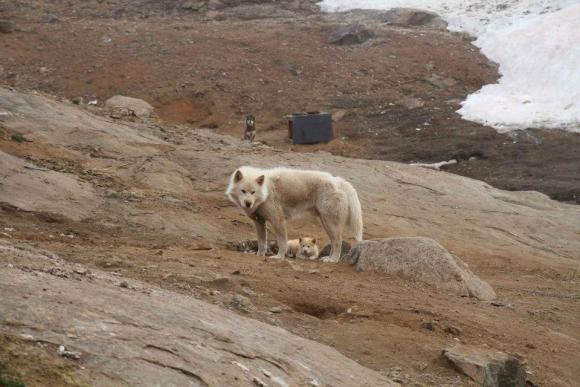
[
  {"x": 6, "y": 381},
  {"x": 19, "y": 138}
]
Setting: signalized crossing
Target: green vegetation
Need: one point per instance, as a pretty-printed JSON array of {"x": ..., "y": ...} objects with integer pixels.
[{"x": 18, "y": 138}]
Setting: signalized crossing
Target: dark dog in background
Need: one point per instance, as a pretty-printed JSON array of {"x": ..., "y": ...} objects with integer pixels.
[{"x": 250, "y": 131}]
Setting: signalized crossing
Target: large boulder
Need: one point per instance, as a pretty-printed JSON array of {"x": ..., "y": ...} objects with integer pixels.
[
  {"x": 138, "y": 107},
  {"x": 409, "y": 17},
  {"x": 487, "y": 367},
  {"x": 422, "y": 260}
]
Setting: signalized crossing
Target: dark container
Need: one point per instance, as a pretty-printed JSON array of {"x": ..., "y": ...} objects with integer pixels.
[{"x": 310, "y": 127}]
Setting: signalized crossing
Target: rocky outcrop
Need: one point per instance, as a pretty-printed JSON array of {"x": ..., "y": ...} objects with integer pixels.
[
  {"x": 422, "y": 260},
  {"x": 135, "y": 106},
  {"x": 487, "y": 367},
  {"x": 32, "y": 188},
  {"x": 409, "y": 17},
  {"x": 129, "y": 333}
]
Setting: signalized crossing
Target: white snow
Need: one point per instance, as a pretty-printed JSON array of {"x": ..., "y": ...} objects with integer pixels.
[{"x": 536, "y": 44}]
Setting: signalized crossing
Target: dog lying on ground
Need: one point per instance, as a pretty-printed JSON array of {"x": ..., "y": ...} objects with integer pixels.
[
  {"x": 303, "y": 248},
  {"x": 281, "y": 194}
]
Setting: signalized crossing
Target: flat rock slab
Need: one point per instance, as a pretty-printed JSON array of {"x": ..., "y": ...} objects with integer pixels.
[
  {"x": 422, "y": 260},
  {"x": 33, "y": 188},
  {"x": 487, "y": 367},
  {"x": 140, "y": 335}
]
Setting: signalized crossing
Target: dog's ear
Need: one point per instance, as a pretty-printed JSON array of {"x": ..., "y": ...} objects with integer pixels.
[
  {"x": 314, "y": 240},
  {"x": 300, "y": 239},
  {"x": 260, "y": 180},
  {"x": 238, "y": 176}
]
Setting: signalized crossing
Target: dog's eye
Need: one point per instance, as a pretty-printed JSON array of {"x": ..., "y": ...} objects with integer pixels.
[
  {"x": 243, "y": 191},
  {"x": 253, "y": 192}
]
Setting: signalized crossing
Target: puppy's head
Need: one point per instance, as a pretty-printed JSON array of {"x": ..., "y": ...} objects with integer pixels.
[
  {"x": 247, "y": 189},
  {"x": 308, "y": 247}
]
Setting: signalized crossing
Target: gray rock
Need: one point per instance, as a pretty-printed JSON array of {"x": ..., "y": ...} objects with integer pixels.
[
  {"x": 441, "y": 82},
  {"x": 409, "y": 17},
  {"x": 160, "y": 337},
  {"x": 487, "y": 367},
  {"x": 422, "y": 260},
  {"x": 138, "y": 107},
  {"x": 50, "y": 18},
  {"x": 6, "y": 26},
  {"x": 350, "y": 34},
  {"x": 242, "y": 303},
  {"x": 411, "y": 103},
  {"x": 326, "y": 250},
  {"x": 194, "y": 5}
]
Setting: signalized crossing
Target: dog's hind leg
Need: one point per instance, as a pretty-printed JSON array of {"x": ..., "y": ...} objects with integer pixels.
[
  {"x": 334, "y": 231},
  {"x": 333, "y": 214}
]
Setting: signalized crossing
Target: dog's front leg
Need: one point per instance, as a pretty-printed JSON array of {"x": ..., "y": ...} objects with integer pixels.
[
  {"x": 262, "y": 236},
  {"x": 279, "y": 226}
]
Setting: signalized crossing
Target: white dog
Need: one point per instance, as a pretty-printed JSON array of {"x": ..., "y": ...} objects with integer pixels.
[{"x": 280, "y": 194}]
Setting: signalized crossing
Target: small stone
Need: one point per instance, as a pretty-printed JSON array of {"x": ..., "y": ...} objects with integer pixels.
[
  {"x": 77, "y": 100},
  {"x": 236, "y": 272},
  {"x": 428, "y": 325},
  {"x": 242, "y": 303},
  {"x": 6, "y": 27},
  {"x": 80, "y": 270},
  {"x": 62, "y": 351},
  {"x": 350, "y": 34},
  {"x": 275, "y": 309},
  {"x": 259, "y": 382},
  {"x": 455, "y": 331},
  {"x": 124, "y": 284},
  {"x": 530, "y": 346}
]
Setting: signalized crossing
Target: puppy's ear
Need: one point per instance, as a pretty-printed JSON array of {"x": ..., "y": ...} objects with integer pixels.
[
  {"x": 300, "y": 239},
  {"x": 238, "y": 176},
  {"x": 260, "y": 180},
  {"x": 314, "y": 240}
]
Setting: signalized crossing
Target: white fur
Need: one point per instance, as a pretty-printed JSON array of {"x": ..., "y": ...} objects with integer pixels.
[{"x": 286, "y": 194}]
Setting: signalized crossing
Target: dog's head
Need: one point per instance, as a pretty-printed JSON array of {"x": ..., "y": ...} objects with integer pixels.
[
  {"x": 247, "y": 189},
  {"x": 308, "y": 247},
  {"x": 250, "y": 121}
]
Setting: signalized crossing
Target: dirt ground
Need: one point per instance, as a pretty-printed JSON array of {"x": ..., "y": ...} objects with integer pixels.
[{"x": 211, "y": 74}]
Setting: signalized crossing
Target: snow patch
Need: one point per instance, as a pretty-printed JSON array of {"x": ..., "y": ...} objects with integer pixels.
[{"x": 535, "y": 43}]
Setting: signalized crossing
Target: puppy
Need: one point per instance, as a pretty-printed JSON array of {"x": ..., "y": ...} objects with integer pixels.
[{"x": 308, "y": 249}]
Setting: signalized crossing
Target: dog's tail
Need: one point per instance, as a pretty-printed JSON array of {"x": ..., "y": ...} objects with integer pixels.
[{"x": 354, "y": 219}]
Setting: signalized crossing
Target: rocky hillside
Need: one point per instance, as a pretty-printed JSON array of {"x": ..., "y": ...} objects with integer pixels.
[{"x": 138, "y": 206}]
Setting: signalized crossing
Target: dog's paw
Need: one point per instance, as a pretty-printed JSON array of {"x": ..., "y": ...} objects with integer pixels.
[
  {"x": 261, "y": 253},
  {"x": 328, "y": 260},
  {"x": 278, "y": 257}
]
